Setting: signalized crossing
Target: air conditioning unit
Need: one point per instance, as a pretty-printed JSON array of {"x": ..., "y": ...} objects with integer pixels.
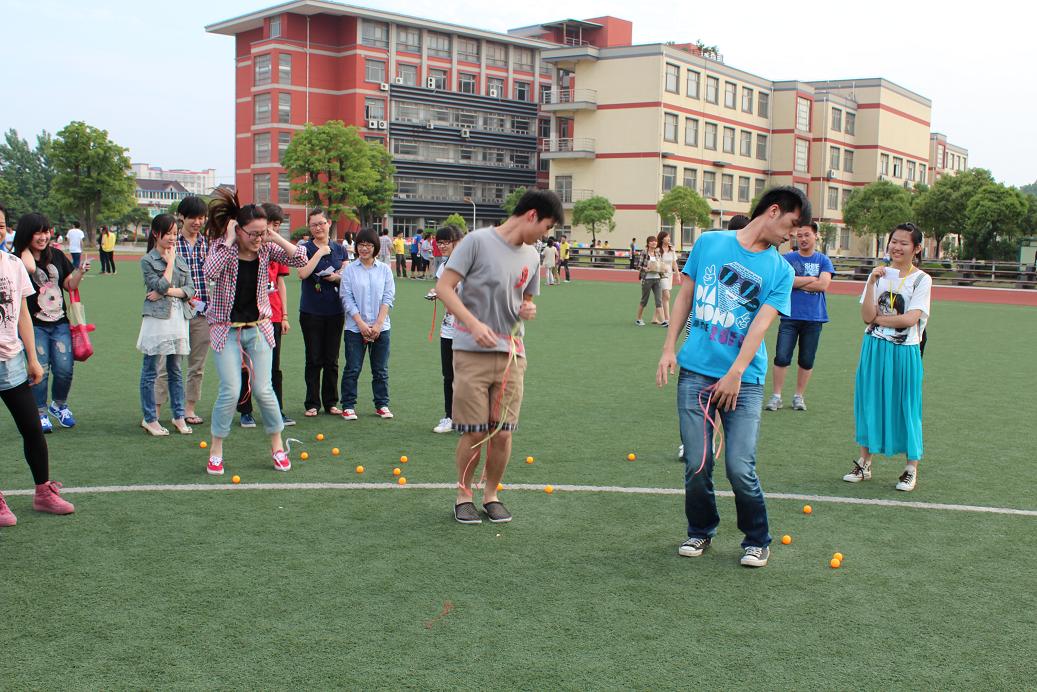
[
  {"x": 383, "y": 125},
  {"x": 372, "y": 124},
  {"x": 430, "y": 83},
  {"x": 384, "y": 86},
  {"x": 399, "y": 80},
  {"x": 430, "y": 125},
  {"x": 882, "y": 177},
  {"x": 831, "y": 174},
  {"x": 907, "y": 184},
  {"x": 494, "y": 93},
  {"x": 466, "y": 133}
]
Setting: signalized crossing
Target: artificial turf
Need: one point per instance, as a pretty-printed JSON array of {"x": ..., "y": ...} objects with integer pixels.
[{"x": 381, "y": 589}]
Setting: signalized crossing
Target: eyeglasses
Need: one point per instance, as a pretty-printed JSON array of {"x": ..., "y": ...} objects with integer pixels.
[
  {"x": 364, "y": 246},
  {"x": 318, "y": 224},
  {"x": 444, "y": 242},
  {"x": 254, "y": 235}
]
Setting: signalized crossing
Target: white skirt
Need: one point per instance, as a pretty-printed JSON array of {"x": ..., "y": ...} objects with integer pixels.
[
  {"x": 160, "y": 337},
  {"x": 666, "y": 282}
]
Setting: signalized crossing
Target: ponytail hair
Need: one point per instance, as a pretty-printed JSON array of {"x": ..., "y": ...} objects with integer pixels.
[
  {"x": 916, "y": 240},
  {"x": 160, "y": 225},
  {"x": 224, "y": 207}
]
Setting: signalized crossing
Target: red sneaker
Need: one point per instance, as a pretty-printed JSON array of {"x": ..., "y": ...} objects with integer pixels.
[
  {"x": 281, "y": 462},
  {"x": 7, "y": 517},
  {"x": 48, "y": 499},
  {"x": 383, "y": 412},
  {"x": 215, "y": 467}
]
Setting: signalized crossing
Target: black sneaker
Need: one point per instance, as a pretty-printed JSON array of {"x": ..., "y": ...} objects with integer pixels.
[
  {"x": 466, "y": 513},
  {"x": 693, "y": 547},
  {"x": 755, "y": 556},
  {"x": 247, "y": 421},
  {"x": 287, "y": 421},
  {"x": 497, "y": 513}
]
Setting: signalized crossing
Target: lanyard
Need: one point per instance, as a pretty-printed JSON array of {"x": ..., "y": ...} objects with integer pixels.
[{"x": 899, "y": 288}]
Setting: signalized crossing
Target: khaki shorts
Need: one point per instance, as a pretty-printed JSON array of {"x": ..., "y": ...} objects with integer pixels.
[{"x": 480, "y": 400}]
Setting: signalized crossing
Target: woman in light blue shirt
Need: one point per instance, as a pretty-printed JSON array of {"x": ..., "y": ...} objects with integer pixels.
[{"x": 367, "y": 291}]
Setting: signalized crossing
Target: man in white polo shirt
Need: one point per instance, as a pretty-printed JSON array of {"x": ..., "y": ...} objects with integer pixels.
[{"x": 75, "y": 243}]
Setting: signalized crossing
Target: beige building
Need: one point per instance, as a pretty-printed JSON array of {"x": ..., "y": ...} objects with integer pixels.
[
  {"x": 945, "y": 158},
  {"x": 631, "y": 122}
]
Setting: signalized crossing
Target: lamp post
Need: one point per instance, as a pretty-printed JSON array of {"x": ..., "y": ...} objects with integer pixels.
[{"x": 472, "y": 202}]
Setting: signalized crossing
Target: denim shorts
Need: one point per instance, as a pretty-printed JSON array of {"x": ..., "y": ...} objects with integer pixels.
[
  {"x": 807, "y": 333},
  {"x": 13, "y": 372}
]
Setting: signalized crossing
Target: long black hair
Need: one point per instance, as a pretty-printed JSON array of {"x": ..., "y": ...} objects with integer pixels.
[
  {"x": 226, "y": 206},
  {"x": 160, "y": 225},
  {"x": 916, "y": 240},
  {"x": 29, "y": 225}
]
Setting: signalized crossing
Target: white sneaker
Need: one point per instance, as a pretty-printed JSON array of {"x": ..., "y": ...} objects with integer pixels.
[
  {"x": 755, "y": 557},
  {"x": 445, "y": 425},
  {"x": 639, "y": 323},
  {"x": 774, "y": 403},
  {"x": 861, "y": 471},
  {"x": 680, "y": 453},
  {"x": 348, "y": 414},
  {"x": 908, "y": 479},
  {"x": 798, "y": 404},
  {"x": 693, "y": 547}
]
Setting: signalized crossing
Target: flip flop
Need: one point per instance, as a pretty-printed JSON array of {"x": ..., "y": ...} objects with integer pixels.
[
  {"x": 335, "y": 411},
  {"x": 310, "y": 412},
  {"x": 193, "y": 420}
]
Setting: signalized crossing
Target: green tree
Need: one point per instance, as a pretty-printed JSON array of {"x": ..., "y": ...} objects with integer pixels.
[
  {"x": 137, "y": 217},
  {"x": 26, "y": 176},
  {"x": 941, "y": 209},
  {"x": 595, "y": 213},
  {"x": 91, "y": 176},
  {"x": 339, "y": 171},
  {"x": 511, "y": 201},
  {"x": 1030, "y": 189},
  {"x": 994, "y": 222},
  {"x": 827, "y": 230},
  {"x": 456, "y": 220},
  {"x": 686, "y": 205},
  {"x": 876, "y": 210}
]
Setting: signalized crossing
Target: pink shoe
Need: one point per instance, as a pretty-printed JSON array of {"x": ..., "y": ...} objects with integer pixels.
[
  {"x": 383, "y": 412},
  {"x": 7, "y": 517},
  {"x": 48, "y": 499},
  {"x": 215, "y": 467},
  {"x": 281, "y": 462}
]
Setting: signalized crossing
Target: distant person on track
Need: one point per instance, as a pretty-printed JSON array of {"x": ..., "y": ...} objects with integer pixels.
[
  {"x": 670, "y": 273},
  {"x": 650, "y": 269}
]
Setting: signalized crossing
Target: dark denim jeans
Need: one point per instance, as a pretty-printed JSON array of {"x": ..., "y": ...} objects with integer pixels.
[
  {"x": 54, "y": 351},
  {"x": 741, "y": 428},
  {"x": 807, "y": 332},
  {"x": 356, "y": 347}
]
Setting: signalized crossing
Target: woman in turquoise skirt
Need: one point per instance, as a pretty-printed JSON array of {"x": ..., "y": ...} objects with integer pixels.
[{"x": 887, "y": 401}]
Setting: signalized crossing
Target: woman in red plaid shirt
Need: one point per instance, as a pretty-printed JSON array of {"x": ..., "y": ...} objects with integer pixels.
[{"x": 242, "y": 246}]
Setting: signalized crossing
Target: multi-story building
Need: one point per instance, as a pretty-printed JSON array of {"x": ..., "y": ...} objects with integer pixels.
[
  {"x": 456, "y": 106},
  {"x": 157, "y": 195},
  {"x": 945, "y": 158},
  {"x": 195, "y": 182}
]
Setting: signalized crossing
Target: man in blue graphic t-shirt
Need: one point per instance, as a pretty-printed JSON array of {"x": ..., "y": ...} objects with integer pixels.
[
  {"x": 809, "y": 313},
  {"x": 737, "y": 284}
]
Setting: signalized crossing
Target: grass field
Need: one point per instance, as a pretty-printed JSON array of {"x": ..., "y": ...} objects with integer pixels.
[{"x": 379, "y": 588}]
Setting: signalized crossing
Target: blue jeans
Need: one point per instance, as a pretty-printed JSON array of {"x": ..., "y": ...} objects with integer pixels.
[
  {"x": 257, "y": 354},
  {"x": 807, "y": 332},
  {"x": 54, "y": 351},
  {"x": 175, "y": 377},
  {"x": 741, "y": 428},
  {"x": 355, "y": 349}
]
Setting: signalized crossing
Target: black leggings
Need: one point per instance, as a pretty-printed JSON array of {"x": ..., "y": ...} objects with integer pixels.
[
  {"x": 446, "y": 356},
  {"x": 20, "y": 403}
]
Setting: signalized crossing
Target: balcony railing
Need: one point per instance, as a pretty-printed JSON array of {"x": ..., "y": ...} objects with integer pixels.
[
  {"x": 572, "y": 195},
  {"x": 567, "y": 145},
  {"x": 566, "y": 96}
]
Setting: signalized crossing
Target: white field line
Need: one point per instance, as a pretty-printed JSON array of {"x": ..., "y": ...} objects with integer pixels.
[{"x": 526, "y": 486}]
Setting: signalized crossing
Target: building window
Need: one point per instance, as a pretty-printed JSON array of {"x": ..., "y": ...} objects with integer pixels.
[
  {"x": 673, "y": 78},
  {"x": 851, "y": 123},
  {"x": 544, "y": 129},
  {"x": 848, "y": 161},
  {"x": 763, "y": 104},
  {"x": 283, "y": 140},
  {"x": 844, "y": 236},
  {"x": 669, "y": 177},
  {"x": 467, "y": 49},
  {"x": 284, "y": 108},
  {"x": 523, "y": 59},
  {"x": 438, "y": 78},
  {"x": 884, "y": 164},
  {"x": 898, "y": 167},
  {"x": 747, "y": 100},
  {"x": 374, "y": 70},
  {"x": 522, "y": 91},
  {"x": 693, "y": 84},
  {"x": 262, "y": 142},
  {"x": 834, "y": 157},
  {"x": 284, "y": 189},
  {"x": 438, "y": 45},
  {"x": 921, "y": 172},
  {"x": 408, "y": 39},
  {"x": 408, "y": 73},
  {"x": 710, "y": 138},
  {"x": 761, "y": 147},
  {"x": 564, "y": 187},
  {"x": 802, "y": 150},
  {"x": 802, "y": 114},
  {"x": 262, "y": 109},
  {"x": 670, "y": 127},
  {"x": 275, "y": 27},
  {"x": 374, "y": 108},
  {"x": 729, "y": 140},
  {"x": 833, "y": 198},
  {"x": 743, "y": 189},
  {"x": 730, "y": 94},
  {"x": 758, "y": 186},
  {"x": 374, "y": 34},
  {"x": 846, "y": 196},
  {"x": 467, "y": 83},
  {"x": 495, "y": 87},
  {"x": 691, "y": 179},
  {"x": 260, "y": 188},
  {"x": 496, "y": 54},
  {"x": 802, "y": 187},
  {"x": 709, "y": 184},
  {"x": 727, "y": 184},
  {"x": 837, "y": 119},
  {"x": 262, "y": 69},
  {"x": 745, "y": 147},
  {"x": 519, "y": 125},
  {"x": 713, "y": 89},
  {"x": 284, "y": 68},
  {"x": 691, "y": 132}
]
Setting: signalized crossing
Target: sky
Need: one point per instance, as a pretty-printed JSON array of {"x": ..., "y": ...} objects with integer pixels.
[{"x": 164, "y": 88}]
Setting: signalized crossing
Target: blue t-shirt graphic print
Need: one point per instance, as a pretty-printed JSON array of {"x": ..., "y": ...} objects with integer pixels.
[
  {"x": 731, "y": 284},
  {"x": 808, "y": 306}
]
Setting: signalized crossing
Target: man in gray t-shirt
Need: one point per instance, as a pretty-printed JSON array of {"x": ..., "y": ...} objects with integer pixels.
[{"x": 499, "y": 268}]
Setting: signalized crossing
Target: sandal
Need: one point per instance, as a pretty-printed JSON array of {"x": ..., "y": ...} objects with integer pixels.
[
  {"x": 182, "y": 427},
  {"x": 466, "y": 513},
  {"x": 497, "y": 513},
  {"x": 311, "y": 412},
  {"x": 193, "y": 420}
]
